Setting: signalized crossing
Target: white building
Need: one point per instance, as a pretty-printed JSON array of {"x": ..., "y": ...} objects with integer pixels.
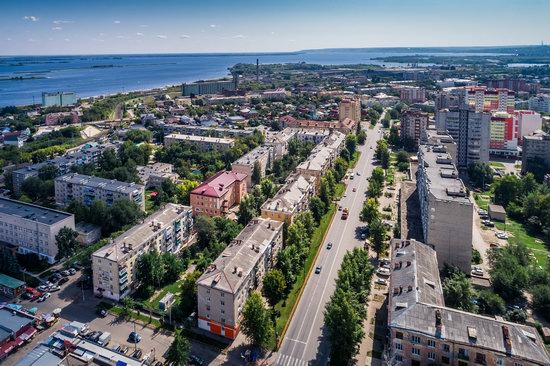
[
  {"x": 262, "y": 155},
  {"x": 540, "y": 103},
  {"x": 203, "y": 143}
]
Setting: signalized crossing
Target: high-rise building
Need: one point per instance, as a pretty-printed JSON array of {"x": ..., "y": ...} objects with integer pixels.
[
  {"x": 423, "y": 331},
  {"x": 413, "y": 125},
  {"x": 471, "y": 131},
  {"x": 528, "y": 122},
  {"x": 224, "y": 287},
  {"x": 209, "y": 87},
  {"x": 540, "y": 103},
  {"x": 58, "y": 99},
  {"x": 504, "y": 134},
  {"x": 517, "y": 85},
  {"x": 445, "y": 209},
  {"x": 536, "y": 146},
  {"x": 412, "y": 94},
  {"x": 447, "y": 99},
  {"x": 114, "y": 265},
  {"x": 86, "y": 189},
  {"x": 484, "y": 99},
  {"x": 31, "y": 228},
  {"x": 350, "y": 108}
]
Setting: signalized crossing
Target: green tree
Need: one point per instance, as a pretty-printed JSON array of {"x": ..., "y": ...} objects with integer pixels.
[
  {"x": 179, "y": 351},
  {"x": 402, "y": 157},
  {"x": 317, "y": 208},
  {"x": 66, "y": 242},
  {"x": 150, "y": 269},
  {"x": 183, "y": 190},
  {"x": 188, "y": 293},
  {"x": 351, "y": 144},
  {"x": 458, "y": 292},
  {"x": 267, "y": 188},
  {"x": 541, "y": 300},
  {"x": 378, "y": 176},
  {"x": 480, "y": 174},
  {"x": 274, "y": 286},
  {"x": 128, "y": 305},
  {"x": 377, "y": 234},
  {"x": 256, "y": 173},
  {"x": 369, "y": 211},
  {"x": 173, "y": 266},
  {"x": 507, "y": 189},
  {"x": 48, "y": 172},
  {"x": 8, "y": 261},
  {"x": 256, "y": 323},
  {"x": 490, "y": 303},
  {"x": 137, "y": 136},
  {"x": 385, "y": 159},
  {"x": 204, "y": 226},
  {"x": 247, "y": 210}
]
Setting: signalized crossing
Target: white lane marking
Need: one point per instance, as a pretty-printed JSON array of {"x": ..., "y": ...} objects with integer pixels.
[{"x": 295, "y": 340}]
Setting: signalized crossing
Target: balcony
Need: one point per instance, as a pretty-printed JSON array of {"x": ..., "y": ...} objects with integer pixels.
[{"x": 462, "y": 356}]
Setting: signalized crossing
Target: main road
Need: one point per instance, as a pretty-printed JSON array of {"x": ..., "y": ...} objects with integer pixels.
[{"x": 306, "y": 341}]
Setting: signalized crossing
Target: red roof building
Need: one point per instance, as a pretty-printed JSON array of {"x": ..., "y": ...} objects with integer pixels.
[{"x": 216, "y": 195}]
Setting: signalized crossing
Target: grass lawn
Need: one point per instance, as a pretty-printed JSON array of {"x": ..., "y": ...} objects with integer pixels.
[
  {"x": 284, "y": 307},
  {"x": 390, "y": 176},
  {"x": 141, "y": 317},
  {"x": 154, "y": 301},
  {"x": 355, "y": 159},
  {"x": 483, "y": 199},
  {"x": 496, "y": 164},
  {"x": 520, "y": 234},
  {"x": 149, "y": 202}
]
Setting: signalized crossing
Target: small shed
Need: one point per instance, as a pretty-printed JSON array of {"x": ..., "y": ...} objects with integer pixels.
[
  {"x": 546, "y": 334},
  {"x": 497, "y": 213},
  {"x": 11, "y": 287}
]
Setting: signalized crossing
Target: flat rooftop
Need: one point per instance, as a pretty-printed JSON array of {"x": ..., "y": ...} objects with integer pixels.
[
  {"x": 31, "y": 212},
  {"x": 252, "y": 156},
  {"x": 290, "y": 195},
  {"x": 442, "y": 175},
  {"x": 233, "y": 266},
  {"x": 11, "y": 322},
  {"x": 193, "y": 138},
  {"x": 100, "y": 183},
  {"x": 119, "y": 248},
  {"x": 217, "y": 130}
]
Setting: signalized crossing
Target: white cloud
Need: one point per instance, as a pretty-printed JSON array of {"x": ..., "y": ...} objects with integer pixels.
[
  {"x": 50, "y": 39},
  {"x": 239, "y": 36},
  {"x": 66, "y": 39},
  {"x": 32, "y": 18},
  {"x": 139, "y": 34},
  {"x": 144, "y": 26},
  {"x": 162, "y": 36},
  {"x": 97, "y": 40},
  {"x": 102, "y": 34},
  {"x": 185, "y": 36},
  {"x": 57, "y": 28},
  {"x": 62, "y": 21},
  {"x": 272, "y": 33},
  {"x": 122, "y": 37},
  {"x": 8, "y": 39},
  {"x": 213, "y": 26},
  {"x": 32, "y": 40},
  {"x": 117, "y": 22}
]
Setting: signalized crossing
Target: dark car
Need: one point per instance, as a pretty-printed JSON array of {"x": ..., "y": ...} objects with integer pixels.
[
  {"x": 101, "y": 312},
  {"x": 134, "y": 337},
  {"x": 63, "y": 280},
  {"x": 137, "y": 354},
  {"x": 195, "y": 360},
  {"x": 26, "y": 296},
  {"x": 318, "y": 269}
]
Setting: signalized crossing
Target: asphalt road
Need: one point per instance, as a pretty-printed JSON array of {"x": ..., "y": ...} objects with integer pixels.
[{"x": 306, "y": 341}]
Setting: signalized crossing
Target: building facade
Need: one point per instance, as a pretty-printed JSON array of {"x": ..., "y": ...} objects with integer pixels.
[
  {"x": 218, "y": 194},
  {"x": 322, "y": 157},
  {"x": 423, "y": 331},
  {"x": 114, "y": 265},
  {"x": 540, "y": 103},
  {"x": 485, "y": 99},
  {"x": 413, "y": 125},
  {"x": 311, "y": 135},
  {"x": 31, "y": 228},
  {"x": 209, "y": 87},
  {"x": 412, "y": 94},
  {"x": 86, "y": 189},
  {"x": 536, "y": 146},
  {"x": 517, "y": 85},
  {"x": 58, "y": 99},
  {"x": 169, "y": 128},
  {"x": 290, "y": 200},
  {"x": 262, "y": 155},
  {"x": 203, "y": 143},
  {"x": 471, "y": 131},
  {"x": 224, "y": 287},
  {"x": 153, "y": 175},
  {"x": 350, "y": 108},
  {"x": 445, "y": 209},
  {"x": 279, "y": 141}
]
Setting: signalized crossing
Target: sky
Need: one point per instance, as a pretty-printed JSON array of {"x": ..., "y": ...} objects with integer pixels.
[{"x": 49, "y": 27}]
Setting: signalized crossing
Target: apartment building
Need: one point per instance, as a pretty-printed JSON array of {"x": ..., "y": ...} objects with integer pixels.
[
  {"x": 528, "y": 122},
  {"x": 58, "y": 99},
  {"x": 275, "y": 94},
  {"x": 322, "y": 157},
  {"x": 485, "y": 99},
  {"x": 279, "y": 141},
  {"x": 170, "y": 128},
  {"x": 345, "y": 126},
  {"x": 507, "y": 130},
  {"x": 423, "y": 331},
  {"x": 517, "y": 85},
  {"x": 114, "y": 265},
  {"x": 536, "y": 146},
  {"x": 218, "y": 194},
  {"x": 447, "y": 99},
  {"x": 540, "y": 103},
  {"x": 350, "y": 108},
  {"x": 86, "y": 189},
  {"x": 290, "y": 200},
  {"x": 224, "y": 287},
  {"x": 31, "y": 228},
  {"x": 86, "y": 154},
  {"x": 412, "y": 94},
  {"x": 209, "y": 87},
  {"x": 203, "y": 143},
  {"x": 413, "y": 125},
  {"x": 311, "y": 135},
  {"x": 438, "y": 138},
  {"x": 471, "y": 131},
  {"x": 153, "y": 175},
  {"x": 262, "y": 155},
  {"x": 445, "y": 209}
]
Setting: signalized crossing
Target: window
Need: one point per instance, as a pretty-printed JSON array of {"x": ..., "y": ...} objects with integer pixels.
[
  {"x": 416, "y": 351},
  {"x": 431, "y": 356},
  {"x": 500, "y": 362},
  {"x": 222, "y": 294},
  {"x": 431, "y": 343},
  {"x": 446, "y": 348},
  {"x": 518, "y": 364},
  {"x": 399, "y": 358},
  {"x": 399, "y": 346},
  {"x": 462, "y": 363},
  {"x": 480, "y": 358},
  {"x": 398, "y": 335},
  {"x": 222, "y": 302},
  {"x": 415, "y": 339},
  {"x": 445, "y": 360}
]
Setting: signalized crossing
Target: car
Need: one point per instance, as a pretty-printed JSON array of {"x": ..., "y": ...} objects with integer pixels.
[
  {"x": 345, "y": 195},
  {"x": 339, "y": 208},
  {"x": 65, "y": 273},
  {"x": 55, "y": 288},
  {"x": 363, "y": 236},
  {"x": 370, "y": 147},
  {"x": 134, "y": 337},
  {"x": 318, "y": 269},
  {"x": 53, "y": 279},
  {"x": 159, "y": 363},
  {"x": 26, "y": 296},
  {"x": 58, "y": 275},
  {"x": 329, "y": 245},
  {"x": 44, "y": 297},
  {"x": 137, "y": 354},
  {"x": 501, "y": 235},
  {"x": 63, "y": 280},
  {"x": 477, "y": 272},
  {"x": 488, "y": 223},
  {"x": 354, "y": 189},
  {"x": 383, "y": 271},
  {"x": 358, "y": 173},
  {"x": 43, "y": 288},
  {"x": 381, "y": 281},
  {"x": 195, "y": 360},
  {"x": 124, "y": 349},
  {"x": 101, "y": 312},
  {"x": 72, "y": 271}
]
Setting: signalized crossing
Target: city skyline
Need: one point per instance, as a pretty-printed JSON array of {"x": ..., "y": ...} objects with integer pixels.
[{"x": 37, "y": 28}]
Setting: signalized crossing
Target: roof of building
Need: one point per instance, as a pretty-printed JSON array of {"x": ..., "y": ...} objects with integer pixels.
[
  {"x": 40, "y": 355},
  {"x": 12, "y": 320},
  {"x": 252, "y": 156},
  {"x": 193, "y": 138},
  {"x": 233, "y": 266},
  {"x": 132, "y": 239},
  {"x": 441, "y": 174},
  {"x": 419, "y": 307},
  {"x": 291, "y": 194},
  {"x": 537, "y": 135},
  {"x": 323, "y": 153},
  {"x": 280, "y": 136},
  {"x": 10, "y": 282},
  {"x": 496, "y": 209},
  {"x": 218, "y": 184},
  {"x": 31, "y": 212},
  {"x": 101, "y": 183}
]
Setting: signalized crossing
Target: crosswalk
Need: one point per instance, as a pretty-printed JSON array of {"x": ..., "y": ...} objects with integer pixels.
[{"x": 286, "y": 360}]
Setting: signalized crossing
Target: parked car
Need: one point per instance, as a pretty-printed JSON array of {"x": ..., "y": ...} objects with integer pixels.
[
  {"x": 55, "y": 288},
  {"x": 43, "y": 288},
  {"x": 134, "y": 337},
  {"x": 44, "y": 297},
  {"x": 354, "y": 189},
  {"x": 101, "y": 312},
  {"x": 381, "y": 281},
  {"x": 72, "y": 271},
  {"x": 137, "y": 354},
  {"x": 477, "y": 271},
  {"x": 195, "y": 360},
  {"x": 488, "y": 223},
  {"x": 124, "y": 349},
  {"x": 63, "y": 280},
  {"x": 26, "y": 296},
  {"x": 65, "y": 273},
  {"x": 383, "y": 271},
  {"x": 318, "y": 269}
]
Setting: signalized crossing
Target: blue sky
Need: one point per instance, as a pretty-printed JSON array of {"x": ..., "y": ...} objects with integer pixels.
[{"x": 115, "y": 26}]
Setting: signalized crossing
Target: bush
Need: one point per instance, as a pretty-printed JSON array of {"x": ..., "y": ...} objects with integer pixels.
[{"x": 476, "y": 257}]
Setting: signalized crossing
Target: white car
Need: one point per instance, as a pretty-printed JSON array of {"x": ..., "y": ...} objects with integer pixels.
[
  {"x": 477, "y": 271},
  {"x": 383, "y": 271},
  {"x": 381, "y": 281},
  {"x": 501, "y": 235},
  {"x": 44, "y": 297}
]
